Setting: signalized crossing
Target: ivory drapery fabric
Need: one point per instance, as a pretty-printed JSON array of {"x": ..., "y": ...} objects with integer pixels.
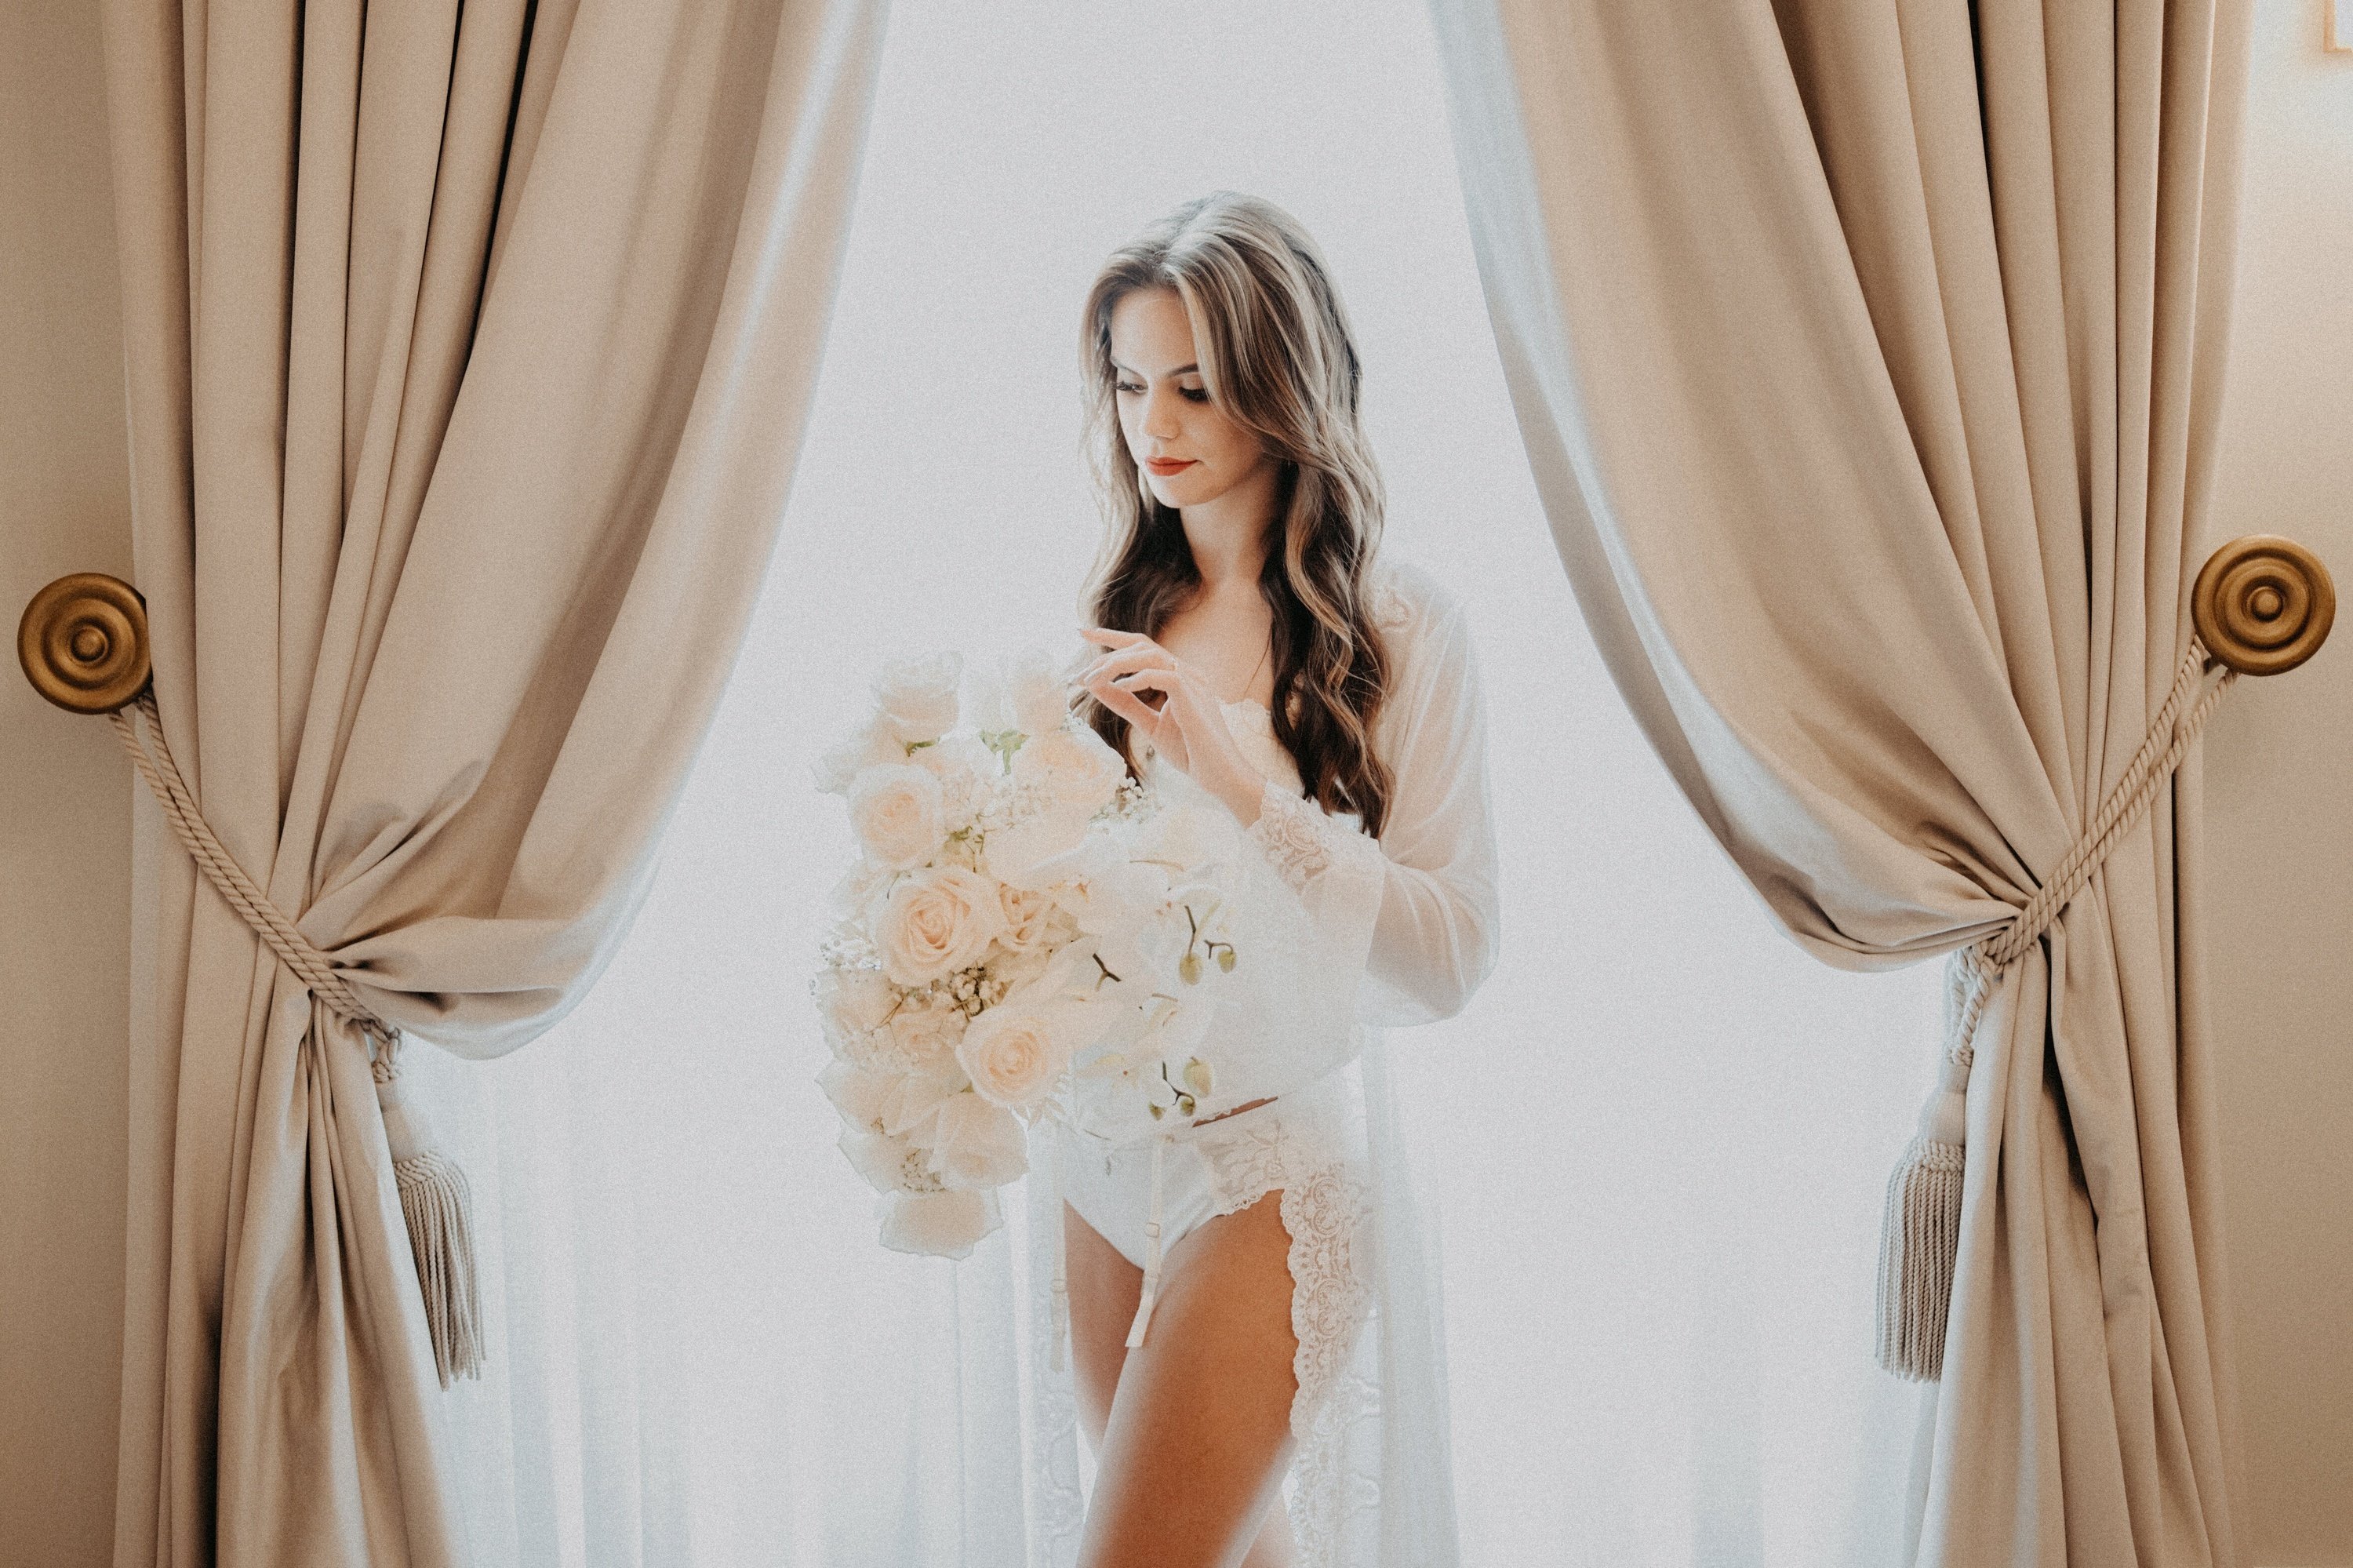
[
  {"x": 468, "y": 350},
  {"x": 1868, "y": 360}
]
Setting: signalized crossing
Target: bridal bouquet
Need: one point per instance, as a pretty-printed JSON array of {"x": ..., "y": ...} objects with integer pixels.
[{"x": 1025, "y": 935}]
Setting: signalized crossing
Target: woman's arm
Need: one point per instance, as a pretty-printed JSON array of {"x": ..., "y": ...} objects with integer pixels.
[{"x": 1415, "y": 908}]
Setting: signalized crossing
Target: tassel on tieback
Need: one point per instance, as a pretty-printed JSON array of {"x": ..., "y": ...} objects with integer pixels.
[
  {"x": 439, "y": 1206},
  {"x": 432, "y": 1195},
  {"x": 1919, "y": 1247},
  {"x": 1920, "y": 1234},
  {"x": 1920, "y": 1238}
]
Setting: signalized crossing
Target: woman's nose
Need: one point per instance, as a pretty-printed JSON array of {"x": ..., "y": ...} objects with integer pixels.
[{"x": 1160, "y": 421}]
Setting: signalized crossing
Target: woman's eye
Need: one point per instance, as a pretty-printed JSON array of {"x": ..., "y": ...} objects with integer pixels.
[
  {"x": 1126, "y": 386},
  {"x": 1196, "y": 394}
]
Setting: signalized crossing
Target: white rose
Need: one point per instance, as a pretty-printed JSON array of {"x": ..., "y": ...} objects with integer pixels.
[
  {"x": 867, "y": 745},
  {"x": 915, "y": 699},
  {"x": 1036, "y": 696},
  {"x": 927, "y": 1032},
  {"x": 1017, "y": 971},
  {"x": 936, "y": 920},
  {"x": 977, "y": 1144},
  {"x": 965, "y": 768},
  {"x": 1078, "y": 767},
  {"x": 856, "y": 889},
  {"x": 940, "y": 1224},
  {"x": 897, "y": 811},
  {"x": 1029, "y": 915},
  {"x": 1015, "y": 1051},
  {"x": 852, "y": 1003}
]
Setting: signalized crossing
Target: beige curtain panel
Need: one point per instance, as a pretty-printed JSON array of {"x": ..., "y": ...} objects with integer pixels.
[
  {"x": 469, "y": 351},
  {"x": 1868, "y": 357}
]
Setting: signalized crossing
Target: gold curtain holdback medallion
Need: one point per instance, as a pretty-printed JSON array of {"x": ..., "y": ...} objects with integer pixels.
[
  {"x": 83, "y": 642},
  {"x": 2263, "y": 605},
  {"x": 84, "y": 645}
]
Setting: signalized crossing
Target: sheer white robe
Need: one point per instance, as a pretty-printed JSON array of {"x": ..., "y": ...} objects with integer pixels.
[{"x": 1413, "y": 917}]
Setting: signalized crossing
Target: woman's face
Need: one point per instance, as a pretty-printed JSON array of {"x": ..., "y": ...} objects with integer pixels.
[{"x": 1190, "y": 450}]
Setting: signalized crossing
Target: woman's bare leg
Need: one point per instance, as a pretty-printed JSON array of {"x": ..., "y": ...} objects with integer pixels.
[
  {"x": 1104, "y": 1287},
  {"x": 1192, "y": 1430}
]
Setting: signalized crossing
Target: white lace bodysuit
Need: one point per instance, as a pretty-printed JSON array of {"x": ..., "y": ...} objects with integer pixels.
[{"x": 1406, "y": 926}]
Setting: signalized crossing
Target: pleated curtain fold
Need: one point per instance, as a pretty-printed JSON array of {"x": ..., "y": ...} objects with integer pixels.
[
  {"x": 468, "y": 352},
  {"x": 1868, "y": 357}
]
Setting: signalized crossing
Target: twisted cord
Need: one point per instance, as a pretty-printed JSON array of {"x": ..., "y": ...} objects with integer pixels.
[
  {"x": 2170, "y": 735},
  {"x": 152, "y": 755},
  {"x": 1919, "y": 1245},
  {"x": 435, "y": 1200}
]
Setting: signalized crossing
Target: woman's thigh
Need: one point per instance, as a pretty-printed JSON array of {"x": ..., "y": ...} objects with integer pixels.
[
  {"x": 1104, "y": 1289},
  {"x": 1196, "y": 1432}
]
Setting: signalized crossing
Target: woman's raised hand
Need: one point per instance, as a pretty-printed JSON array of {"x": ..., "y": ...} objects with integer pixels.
[{"x": 1189, "y": 726}]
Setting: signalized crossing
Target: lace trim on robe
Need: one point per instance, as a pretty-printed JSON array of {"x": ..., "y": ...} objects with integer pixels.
[
  {"x": 1326, "y": 1210},
  {"x": 1290, "y": 830}
]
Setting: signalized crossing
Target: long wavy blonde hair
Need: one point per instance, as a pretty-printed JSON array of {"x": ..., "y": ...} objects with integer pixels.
[{"x": 1276, "y": 356}]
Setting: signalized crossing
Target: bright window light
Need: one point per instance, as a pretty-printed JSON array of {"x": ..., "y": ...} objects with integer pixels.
[{"x": 1658, "y": 1138}]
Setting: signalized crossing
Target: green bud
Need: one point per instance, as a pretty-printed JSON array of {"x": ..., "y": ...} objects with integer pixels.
[
  {"x": 1188, "y": 969},
  {"x": 1226, "y": 959},
  {"x": 1184, "y": 1105}
]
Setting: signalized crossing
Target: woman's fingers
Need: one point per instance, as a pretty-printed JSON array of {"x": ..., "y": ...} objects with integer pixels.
[
  {"x": 1180, "y": 715},
  {"x": 1154, "y": 678},
  {"x": 1129, "y": 707},
  {"x": 1115, "y": 642},
  {"x": 1171, "y": 728},
  {"x": 1143, "y": 656}
]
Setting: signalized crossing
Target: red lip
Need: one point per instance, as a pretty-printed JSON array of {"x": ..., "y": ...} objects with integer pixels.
[{"x": 1166, "y": 466}]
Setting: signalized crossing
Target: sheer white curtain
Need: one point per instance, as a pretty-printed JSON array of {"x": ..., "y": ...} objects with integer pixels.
[{"x": 1656, "y": 1141}]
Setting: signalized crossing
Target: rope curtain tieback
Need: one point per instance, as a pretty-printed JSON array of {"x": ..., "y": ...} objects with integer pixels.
[
  {"x": 435, "y": 1199},
  {"x": 1920, "y": 1234},
  {"x": 2262, "y": 605},
  {"x": 83, "y": 643}
]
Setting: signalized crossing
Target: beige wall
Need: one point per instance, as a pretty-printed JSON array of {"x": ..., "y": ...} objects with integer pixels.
[
  {"x": 65, "y": 807},
  {"x": 2280, "y": 809},
  {"x": 2280, "y": 772}
]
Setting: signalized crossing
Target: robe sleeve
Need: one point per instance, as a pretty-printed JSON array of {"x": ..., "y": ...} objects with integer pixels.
[{"x": 1413, "y": 912}]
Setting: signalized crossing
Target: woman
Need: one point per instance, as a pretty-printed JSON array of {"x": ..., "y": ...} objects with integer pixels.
[{"x": 1251, "y": 647}]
